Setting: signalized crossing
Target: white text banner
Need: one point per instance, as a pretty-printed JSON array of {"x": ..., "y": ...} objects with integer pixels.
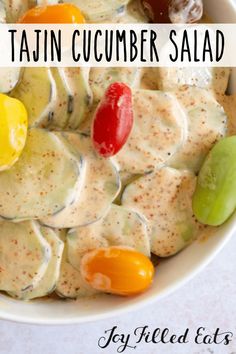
[{"x": 118, "y": 45}]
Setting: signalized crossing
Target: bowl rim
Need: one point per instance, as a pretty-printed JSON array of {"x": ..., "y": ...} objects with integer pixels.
[{"x": 177, "y": 284}]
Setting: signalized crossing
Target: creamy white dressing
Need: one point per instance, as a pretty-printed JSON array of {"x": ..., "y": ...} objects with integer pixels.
[
  {"x": 159, "y": 131},
  {"x": 39, "y": 103},
  {"x": 207, "y": 124},
  {"x": 229, "y": 104},
  {"x": 177, "y": 121},
  {"x": 185, "y": 11},
  {"x": 48, "y": 282},
  {"x": 101, "y": 184},
  {"x": 213, "y": 79},
  {"x": 24, "y": 256},
  {"x": 2, "y": 12},
  {"x": 99, "y": 10},
  {"x": 8, "y": 78},
  {"x": 165, "y": 199}
]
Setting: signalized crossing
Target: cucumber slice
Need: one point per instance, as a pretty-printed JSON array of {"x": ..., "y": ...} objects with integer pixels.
[
  {"x": 120, "y": 227},
  {"x": 48, "y": 282},
  {"x": 229, "y": 104},
  {"x": 101, "y": 78},
  {"x": 37, "y": 90},
  {"x": 8, "y": 78},
  {"x": 24, "y": 256},
  {"x": 79, "y": 94},
  {"x": 215, "y": 79},
  {"x": 46, "y": 2},
  {"x": 43, "y": 181},
  {"x": 98, "y": 10},
  {"x": 102, "y": 184},
  {"x": 59, "y": 115},
  {"x": 70, "y": 283},
  {"x": 149, "y": 80},
  {"x": 132, "y": 13},
  {"x": 61, "y": 233},
  {"x": 126, "y": 178},
  {"x": 2, "y": 12},
  {"x": 164, "y": 197},
  {"x": 15, "y": 9},
  {"x": 207, "y": 123},
  {"x": 159, "y": 131}
]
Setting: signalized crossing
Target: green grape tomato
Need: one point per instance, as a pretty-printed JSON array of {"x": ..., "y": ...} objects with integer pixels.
[{"x": 214, "y": 199}]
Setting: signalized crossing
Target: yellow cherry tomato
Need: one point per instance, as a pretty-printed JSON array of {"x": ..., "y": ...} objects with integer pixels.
[
  {"x": 117, "y": 270},
  {"x": 13, "y": 130},
  {"x": 60, "y": 13}
]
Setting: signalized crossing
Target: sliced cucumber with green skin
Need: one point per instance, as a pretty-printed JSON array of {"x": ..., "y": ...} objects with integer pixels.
[
  {"x": 149, "y": 79},
  {"x": 2, "y": 12},
  {"x": 48, "y": 282},
  {"x": 15, "y": 9},
  {"x": 207, "y": 123},
  {"x": 119, "y": 227},
  {"x": 128, "y": 14},
  {"x": 164, "y": 197},
  {"x": 98, "y": 10},
  {"x": 101, "y": 78},
  {"x": 61, "y": 233},
  {"x": 8, "y": 76},
  {"x": 8, "y": 79},
  {"x": 229, "y": 104},
  {"x": 215, "y": 79},
  {"x": 59, "y": 114},
  {"x": 159, "y": 131},
  {"x": 70, "y": 283},
  {"x": 43, "y": 181},
  {"x": 24, "y": 256},
  {"x": 37, "y": 90},
  {"x": 102, "y": 185},
  {"x": 126, "y": 178},
  {"x": 79, "y": 94}
]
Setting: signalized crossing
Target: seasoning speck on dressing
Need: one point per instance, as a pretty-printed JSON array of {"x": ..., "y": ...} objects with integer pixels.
[{"x": 98, "y": 166}]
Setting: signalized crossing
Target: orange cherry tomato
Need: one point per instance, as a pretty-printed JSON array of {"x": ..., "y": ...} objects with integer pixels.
[
  {"x": 60, "y": 13},
  {"x": 117, "y": 270}
]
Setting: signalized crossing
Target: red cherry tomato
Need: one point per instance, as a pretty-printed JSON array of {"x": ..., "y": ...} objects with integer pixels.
[
  {"x": 157, "y": 10},
  {"x": 113, "y": 120}
]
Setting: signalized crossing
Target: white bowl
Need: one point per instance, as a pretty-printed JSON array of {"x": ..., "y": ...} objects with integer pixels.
[{"x": 171, "y": 273}]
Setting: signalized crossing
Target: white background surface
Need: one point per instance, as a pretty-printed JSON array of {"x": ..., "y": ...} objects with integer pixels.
[{"x": 209, "y": 300}]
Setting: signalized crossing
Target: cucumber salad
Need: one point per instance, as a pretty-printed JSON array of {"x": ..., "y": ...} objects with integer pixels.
[{"x": 104, "y": 169}]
